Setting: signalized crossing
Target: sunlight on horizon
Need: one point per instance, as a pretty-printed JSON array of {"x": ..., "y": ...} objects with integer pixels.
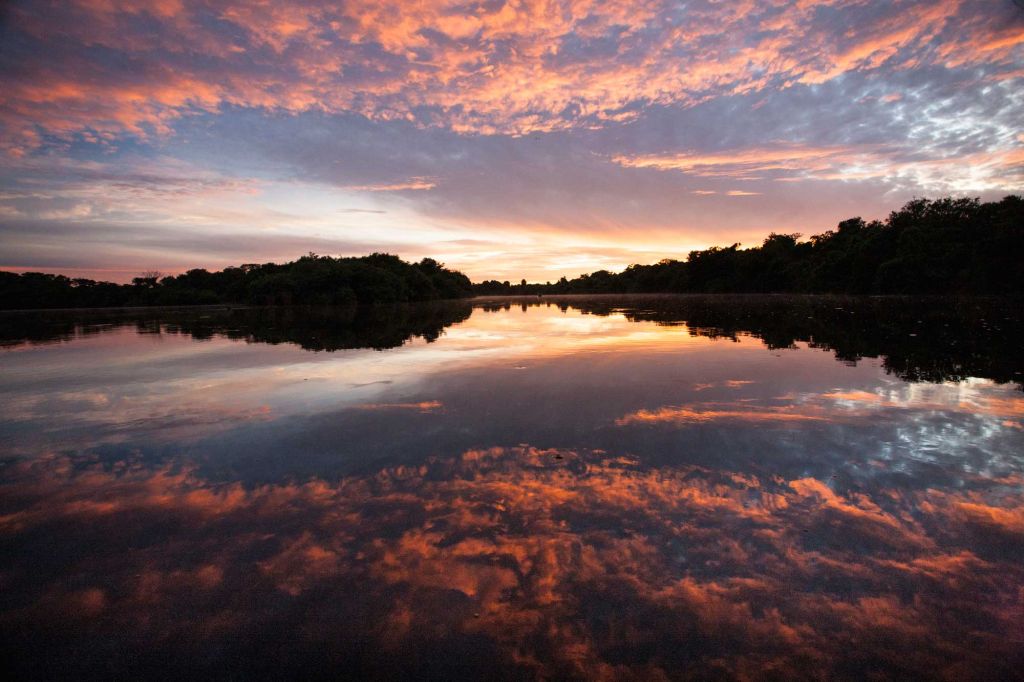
[{"x": 508, "y": 140}]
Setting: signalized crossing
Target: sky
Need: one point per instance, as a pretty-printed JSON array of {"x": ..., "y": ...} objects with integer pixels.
[{"x": 509, "y": 139}]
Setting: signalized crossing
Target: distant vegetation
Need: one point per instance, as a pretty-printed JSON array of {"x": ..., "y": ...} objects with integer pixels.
[
  {"x": 948, "y": 246},
  {"x": 311, "y": 280},
  {"x": 915, "y": 339},
  {"x": 927, "y": 247},
  {"x": 315, "y": 328}
]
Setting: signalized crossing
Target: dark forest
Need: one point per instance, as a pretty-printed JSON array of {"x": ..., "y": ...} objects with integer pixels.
[{"x": 945, "y": 246}]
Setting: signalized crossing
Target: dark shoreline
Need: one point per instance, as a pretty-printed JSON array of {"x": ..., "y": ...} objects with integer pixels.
[{"x": 531, "y": 298}]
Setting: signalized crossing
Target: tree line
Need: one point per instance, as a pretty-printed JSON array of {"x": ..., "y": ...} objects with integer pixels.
[
  {"x": 310, "y": 280},
  {"x": 314, "y": 328},
  {"x": 945, "y": 246},
  {"x": 916, "y": 339}
]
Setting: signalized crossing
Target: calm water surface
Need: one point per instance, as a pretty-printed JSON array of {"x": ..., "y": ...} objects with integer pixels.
[{"x": 611, "y": 488}]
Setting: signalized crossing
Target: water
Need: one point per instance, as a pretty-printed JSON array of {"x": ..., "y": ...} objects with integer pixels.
[{"x": 681, "y": 487}]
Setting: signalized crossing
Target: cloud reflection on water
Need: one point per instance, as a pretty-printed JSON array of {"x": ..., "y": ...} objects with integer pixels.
[
  {"x": 531, "y": 491},
  {"x": 566, "y": 563}
]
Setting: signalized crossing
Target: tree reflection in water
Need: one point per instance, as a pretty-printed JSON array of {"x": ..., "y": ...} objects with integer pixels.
[{"x": 636, "y": 488}]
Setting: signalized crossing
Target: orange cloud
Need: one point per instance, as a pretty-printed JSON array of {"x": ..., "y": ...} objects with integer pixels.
[
  {"x": 486, "y": 68},
  {"x": 740, "y": 164},
  {"x": 699, "y": 414},
  {"x": 519, "y": 545},
  {"x": 414, "y": 184},
  {"x": 422, "y": 406},
  {"x": 996, "y": 169}
]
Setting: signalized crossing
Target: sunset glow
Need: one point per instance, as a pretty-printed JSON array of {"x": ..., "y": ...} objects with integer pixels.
[{"x": 528, "y": 138}]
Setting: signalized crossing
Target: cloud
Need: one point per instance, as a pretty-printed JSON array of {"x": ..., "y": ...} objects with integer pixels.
[
  {"x": 422, "y": 406},
  {"x": 413, "y": 184},
  {"x": 832, "y": 407},
  {"x": 737, "y": 164},
  {"x": 519, "y": 544},
  {"x": 620, "y": 131},
  {"x": 998, "y": 170},
  {"x": 486, "y": 68},
  {"x": 700, "y": 414}
]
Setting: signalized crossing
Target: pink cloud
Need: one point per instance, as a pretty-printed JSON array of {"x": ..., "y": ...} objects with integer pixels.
[
  {"x": 502, "y": 69},
  {"x": 518, "y": 541}
]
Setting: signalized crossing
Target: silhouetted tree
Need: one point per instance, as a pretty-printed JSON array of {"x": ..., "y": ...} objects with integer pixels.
[
  {"x": 927, "y": 247},
  {"x": 312, "y": 279}
]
